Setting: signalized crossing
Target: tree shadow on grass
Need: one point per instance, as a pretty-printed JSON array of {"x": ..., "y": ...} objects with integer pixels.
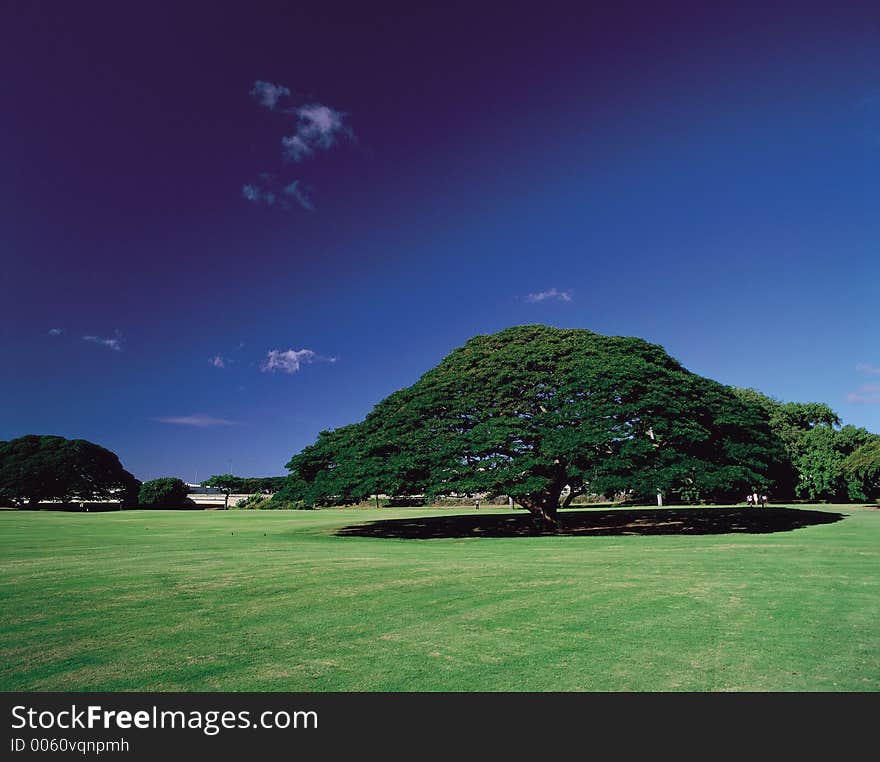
[{"x": 619, "y": 521}]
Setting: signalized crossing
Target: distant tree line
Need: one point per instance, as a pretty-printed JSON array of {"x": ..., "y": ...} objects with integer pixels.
[
  {"x": 244, "y": 485},
  {"x": 37, "y": 469},
  {"x": 170, "y": 492}
]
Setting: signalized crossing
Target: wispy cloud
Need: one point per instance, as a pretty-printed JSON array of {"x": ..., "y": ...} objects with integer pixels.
[
  {"x": 217, "y": 361},
  {"x": 317, "y": 126},
  {"x": 262, "y": 195},
  {"x": 201, "y": 421},
  {"x": 291, "y": 360},
  {"x": 267, "y": 94},
  {"x": 866, "y": 394},
  {"x": 863, "y": 399},
  {"x": 299, "y": 194},
  {"x": 550, "y": 294},
  {"x": 114, "y": 343},
  {"x": 867, "y": 369},
  {"x": 56, "y": 331},
  {"x": 257, "y": 195}
]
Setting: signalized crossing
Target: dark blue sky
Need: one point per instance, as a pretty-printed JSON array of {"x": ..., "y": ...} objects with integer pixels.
[{"x": 706, "y": 179}]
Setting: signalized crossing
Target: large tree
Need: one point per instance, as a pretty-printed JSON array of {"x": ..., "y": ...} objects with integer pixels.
[
  {"x": 536, "y": 412},
  {"x": 35, "y": 468}
]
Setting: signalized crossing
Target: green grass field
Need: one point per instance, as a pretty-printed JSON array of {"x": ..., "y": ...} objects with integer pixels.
[{"x": 273, "y": 601}]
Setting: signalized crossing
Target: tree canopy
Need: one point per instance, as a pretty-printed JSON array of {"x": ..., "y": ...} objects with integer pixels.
[
  {"x": 536, "y": 412},
  {"x": 34, "y": 468}
]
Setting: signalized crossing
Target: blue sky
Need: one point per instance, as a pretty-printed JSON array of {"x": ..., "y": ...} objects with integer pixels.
[{"x": 707, "y": 180}]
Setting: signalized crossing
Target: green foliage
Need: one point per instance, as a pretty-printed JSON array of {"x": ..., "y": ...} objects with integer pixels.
[
  {"x": 533, "y": 409},
  {"x": 816, "y": 448},
  {"x": 291, "y": 497},
  {"x": 863, "y": 468},
  {"x": 34, "y": 468},
  {"x": 791, "y": 419},
  {"x": 168, "y": 492}
]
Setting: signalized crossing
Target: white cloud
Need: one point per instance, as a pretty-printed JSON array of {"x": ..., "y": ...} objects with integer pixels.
[
  {"x": 268, "y": 94},
  {"x": 550, "y": 293},
  {"x": 287, "y": 362},
  {"x": 202, "y": 421},
  {"x": 55, "y": 331},
  {"x": 114, "y": 343},
  {"x": 217, "y": 361},
  {"x": 867, "y": 369},
  {"x": 317, "y": 126}
]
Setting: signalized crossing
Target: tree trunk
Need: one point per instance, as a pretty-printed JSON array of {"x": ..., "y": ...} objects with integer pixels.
[{"x": 543, "y": 513}]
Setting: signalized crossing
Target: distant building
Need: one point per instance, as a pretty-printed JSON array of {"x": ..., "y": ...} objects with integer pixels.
[{"x": 198, "y": 489}]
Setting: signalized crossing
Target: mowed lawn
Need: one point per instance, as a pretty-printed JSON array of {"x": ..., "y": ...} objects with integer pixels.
[{"x": 273, "y": 601}]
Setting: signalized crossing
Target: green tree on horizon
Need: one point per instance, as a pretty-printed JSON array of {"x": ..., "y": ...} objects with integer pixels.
[
  {"x": 34, "y": 468},
  {"x": 534, "y": 412},
  {"x": 168, "y": 492}
]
